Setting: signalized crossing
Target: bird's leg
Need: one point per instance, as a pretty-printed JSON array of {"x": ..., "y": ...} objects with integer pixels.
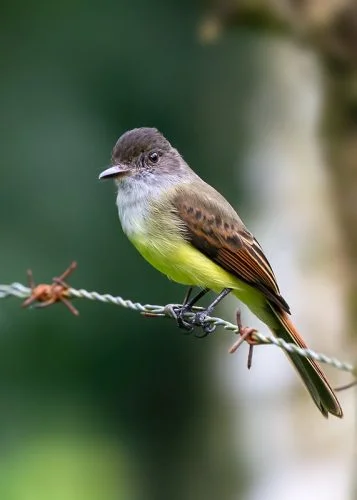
[
  {"x": 186, "y": 307},
  {"x": 200, "y": 317},
  {"x": 196, "y": 298},
  {"x": 245, "y": 333},
  {"x": 188, "y": 295}
]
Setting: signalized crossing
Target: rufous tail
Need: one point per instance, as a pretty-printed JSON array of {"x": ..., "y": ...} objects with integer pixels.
[{"x": 310, "y": 372}]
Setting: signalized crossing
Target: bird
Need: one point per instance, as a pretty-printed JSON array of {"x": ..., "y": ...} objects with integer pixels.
[{"x": 189, "y": 232}]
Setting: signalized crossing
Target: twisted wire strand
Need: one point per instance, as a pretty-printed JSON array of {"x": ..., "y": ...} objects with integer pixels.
[{"x": 20, "y": 291}]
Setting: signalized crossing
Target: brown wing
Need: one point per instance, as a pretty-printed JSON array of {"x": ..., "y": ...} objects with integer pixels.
[{"x": 218, "y": 232}]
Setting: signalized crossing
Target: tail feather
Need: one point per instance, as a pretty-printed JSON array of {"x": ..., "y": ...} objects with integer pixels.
[{"x": 310, "y": 372}]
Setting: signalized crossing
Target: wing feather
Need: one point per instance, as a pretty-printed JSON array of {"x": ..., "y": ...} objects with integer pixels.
[{"x": 217, "y": 231}]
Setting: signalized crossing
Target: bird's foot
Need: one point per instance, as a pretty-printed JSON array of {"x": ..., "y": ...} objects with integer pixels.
[
  {"x": 200, "y": 319},
  {"x": 182, "y": 322},
  {"x": 178, "y": 312},
  {"x": 246, "y": 335}
]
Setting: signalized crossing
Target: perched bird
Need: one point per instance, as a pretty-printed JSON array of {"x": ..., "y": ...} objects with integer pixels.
[{"x": 188, "y": 231}]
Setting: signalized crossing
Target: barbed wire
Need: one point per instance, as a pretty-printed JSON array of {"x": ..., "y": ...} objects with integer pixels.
[{"x": 23, "y": 292}]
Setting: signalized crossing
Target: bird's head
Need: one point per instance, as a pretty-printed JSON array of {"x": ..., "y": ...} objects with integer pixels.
[{"x": 141, "y": 152}]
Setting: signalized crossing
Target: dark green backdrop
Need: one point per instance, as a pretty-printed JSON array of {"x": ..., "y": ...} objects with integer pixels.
[{"x": 108, "y": 405}]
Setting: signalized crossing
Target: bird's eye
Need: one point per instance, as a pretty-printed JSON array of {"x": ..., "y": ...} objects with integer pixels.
[{"x": 154, "y": 157}]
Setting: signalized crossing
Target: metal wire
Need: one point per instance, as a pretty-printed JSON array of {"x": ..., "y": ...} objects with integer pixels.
[{"x": 20, "y": 291}]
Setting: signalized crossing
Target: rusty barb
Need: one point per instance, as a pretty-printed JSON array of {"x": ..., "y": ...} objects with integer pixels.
[{"x": 44, "y": 295}]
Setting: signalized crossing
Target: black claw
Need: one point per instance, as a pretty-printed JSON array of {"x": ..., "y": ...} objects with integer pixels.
[
  {"x": 207, "y": 327},
  {"x": 199, "y": 319},
  {"x": 202, "y": 336},
  {"x": 206, "y": 331},
  {"x": 181, "y": 322},
  {"x": 184, "y": 325}
]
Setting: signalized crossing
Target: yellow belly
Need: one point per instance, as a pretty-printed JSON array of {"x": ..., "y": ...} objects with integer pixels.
[{"x": 183, "y": 263}]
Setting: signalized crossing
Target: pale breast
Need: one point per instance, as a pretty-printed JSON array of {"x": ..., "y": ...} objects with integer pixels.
[
  {"x": 157, "y": 233},
  {"x": 133, "y": 207},
  {"x": 141, "y": 204}
]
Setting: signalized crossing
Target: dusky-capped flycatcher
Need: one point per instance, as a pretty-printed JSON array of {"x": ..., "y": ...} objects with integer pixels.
[{"x": 189, "y": 232}]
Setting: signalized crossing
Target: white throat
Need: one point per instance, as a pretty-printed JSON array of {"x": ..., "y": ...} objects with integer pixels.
[{"x": 134, "y": 199}]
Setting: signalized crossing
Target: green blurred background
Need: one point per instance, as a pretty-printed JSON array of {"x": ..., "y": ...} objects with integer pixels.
[{"x": 110, "y": 405}]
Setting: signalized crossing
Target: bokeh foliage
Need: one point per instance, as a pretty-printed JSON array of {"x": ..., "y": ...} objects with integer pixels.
[{"x": 107, "y": 405}]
